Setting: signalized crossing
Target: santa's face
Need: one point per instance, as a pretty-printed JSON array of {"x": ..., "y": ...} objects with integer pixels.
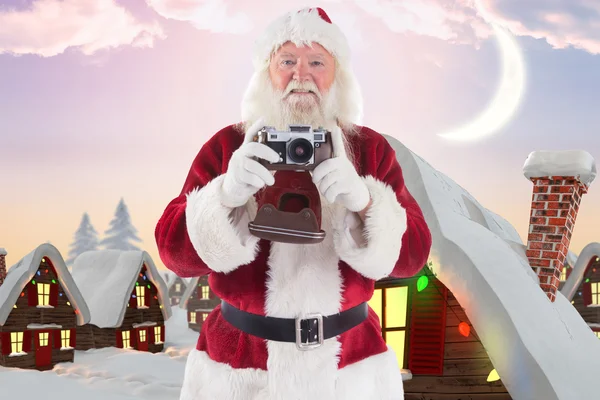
[{"x": 302, "y": 75}]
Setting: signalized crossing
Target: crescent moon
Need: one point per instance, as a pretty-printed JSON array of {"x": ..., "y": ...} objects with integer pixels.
[{"x": 507, "y": 98}]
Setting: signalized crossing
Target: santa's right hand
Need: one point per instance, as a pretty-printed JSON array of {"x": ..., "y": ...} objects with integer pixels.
[{"x": 245, "y": 175}]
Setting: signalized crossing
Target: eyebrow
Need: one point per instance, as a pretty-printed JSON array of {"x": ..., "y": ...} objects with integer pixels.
[{"x": 287, "y": 54}]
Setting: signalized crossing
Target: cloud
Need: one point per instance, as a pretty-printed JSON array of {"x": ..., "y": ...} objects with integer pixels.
[
  {"x": 48, "y": 27},
  {"x": 210, "y": 15},
  {"x": 453, "y": 21},
  {"x": 561, "y": 23}
]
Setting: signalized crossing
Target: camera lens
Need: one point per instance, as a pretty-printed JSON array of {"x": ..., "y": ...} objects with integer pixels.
[{"x": 300, "y": 150}]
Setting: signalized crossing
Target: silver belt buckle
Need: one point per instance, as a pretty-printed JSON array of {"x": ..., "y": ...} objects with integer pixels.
[{"x": 317, "y": 340}]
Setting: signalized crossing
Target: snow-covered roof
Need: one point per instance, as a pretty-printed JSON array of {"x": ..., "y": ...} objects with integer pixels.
[
  {"x": 571, "y": 258},
  {"x": 185, "y": 297},
  {"x": 171, "y": 278},
  {"x": 588, "y": 253},
  {"x": 577, "y": 163},
  {"x": 541, "y": 349},
  {"x": 106, "y": 279},
  {"x": 2, "y": 251},
  {"x": 23, "y": 271}
]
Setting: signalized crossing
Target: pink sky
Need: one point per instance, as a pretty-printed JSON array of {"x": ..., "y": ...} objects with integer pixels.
[{"x": 100, "y": 100}]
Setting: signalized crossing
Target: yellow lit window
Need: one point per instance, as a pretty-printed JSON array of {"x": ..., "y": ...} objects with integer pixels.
[
  {"x": 597, "y": 334},
  {"x": 65, "y": 338},
  {"x": 193, "y": 318},
  {"x": 43, "y": 290},
  {"x": 44, "y": 339},
  {"x": 205, "y": 292},
  {"x": 142, "y": 335},
  {"x": 16, "y": 340},
  {"x": 595, "y": 288},
  {"x": 177, "y": 287},
  {"x": 157, "y": 331},
  {"x": 204, "y": 316},
  {"x": 125, "y": 335},
  {"x": 140, "y": 293},
  {"x": 391, "y": 306},
  {"x": 563, "y": 274}
]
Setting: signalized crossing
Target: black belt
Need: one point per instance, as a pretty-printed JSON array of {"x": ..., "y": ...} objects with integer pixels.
[{"x": 307, "y": 333}]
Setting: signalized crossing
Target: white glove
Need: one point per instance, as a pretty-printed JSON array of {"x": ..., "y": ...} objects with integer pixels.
[
  {"x": 338, "y": 180},
  {"x": 245, "y": 176}
]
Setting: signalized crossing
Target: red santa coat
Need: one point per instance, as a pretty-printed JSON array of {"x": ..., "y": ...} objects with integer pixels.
[{"x": 197, "y": 235}]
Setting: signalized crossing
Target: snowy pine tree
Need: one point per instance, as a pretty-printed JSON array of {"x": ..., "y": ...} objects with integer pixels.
[
  {"x": 121, "y": 231},
  {"x": 86, "y": 239}
]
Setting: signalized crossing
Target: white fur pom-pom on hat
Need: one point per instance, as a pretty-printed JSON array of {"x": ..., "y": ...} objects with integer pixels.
[{"x": 309, "y": 25}]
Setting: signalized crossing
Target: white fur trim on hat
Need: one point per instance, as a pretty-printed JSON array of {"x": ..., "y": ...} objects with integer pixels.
[{"x": 301, "y": 28}]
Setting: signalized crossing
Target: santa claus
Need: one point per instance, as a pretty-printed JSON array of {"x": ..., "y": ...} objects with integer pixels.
[{"x": 294, "y": 321}]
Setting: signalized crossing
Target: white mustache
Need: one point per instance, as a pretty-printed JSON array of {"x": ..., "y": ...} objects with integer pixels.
[{"x": 309, "y": 86}]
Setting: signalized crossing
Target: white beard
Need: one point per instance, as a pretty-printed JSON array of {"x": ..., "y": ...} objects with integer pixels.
[{"x": 262, "y": 100}]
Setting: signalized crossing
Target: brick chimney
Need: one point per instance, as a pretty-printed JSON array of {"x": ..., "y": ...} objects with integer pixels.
[
  {"x": 2, "y": 265},
  {"x": 559, "y": 179}
]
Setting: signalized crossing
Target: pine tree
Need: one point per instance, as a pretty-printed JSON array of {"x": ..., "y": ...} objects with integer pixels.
[
  {"x": 121, "y": 231},
  {"x": 86, "y": 239}
]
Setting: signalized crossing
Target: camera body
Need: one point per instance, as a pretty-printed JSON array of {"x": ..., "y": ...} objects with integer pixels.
[{"x": 301, "y": 148}]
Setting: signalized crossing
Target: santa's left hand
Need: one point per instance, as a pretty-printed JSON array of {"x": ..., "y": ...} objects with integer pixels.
[{"x": 338, "y": 180}]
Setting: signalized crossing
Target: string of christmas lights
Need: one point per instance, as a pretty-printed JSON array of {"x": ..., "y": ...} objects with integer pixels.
[{"x": 463, "y": 327}]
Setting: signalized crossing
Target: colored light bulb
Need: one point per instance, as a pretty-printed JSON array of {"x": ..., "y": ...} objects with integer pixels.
[
  {"x": 464, "y": 329},
  {"x": 422, "y": 283},
  {"x": 493, "y": 376}
]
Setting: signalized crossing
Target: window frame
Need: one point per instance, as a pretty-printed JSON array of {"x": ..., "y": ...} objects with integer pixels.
[
  {"x": 157, "y": 334},
  {"x": 126, "y": 338},
  {"x": 140, "y": 299},
  {"x": 391, "y": 284},
  {"x": 205, "y": 294},
  {"x": 596, "y": 294},
  {"x": 17, "y": 340},
  {"x": 65, "y": 338},
  {"x": 42, "y": 294}
]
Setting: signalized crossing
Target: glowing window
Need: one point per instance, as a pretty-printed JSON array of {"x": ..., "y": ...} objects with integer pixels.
[
  {"x": 142, "y": 335},
  {"x": 16, "y": 341},
  {"x": 193, "y": 318},
  {"x": 65, "y": 338},
  {"x": 126, "y": 336},
  {"x": 595, "y": 288},
  {"x": 391, "y": 306},
  {"x": 157, "y": 332},
  {"x": 177, "y": 287},
  {"x": 43, "y": 290},
  {"x": 140, "y": 293},
  {"x": 204, "y": 316},
  {"x": 43, "y": 338},
  {"x": 205, "y": 292},
  {"x": 563, "y": 274}
]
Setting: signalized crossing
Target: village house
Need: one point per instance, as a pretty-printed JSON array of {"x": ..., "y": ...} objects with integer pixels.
[
  {"x": 40, "y": 310},
  {"x": 176, "y": 287},
  {"x": 483, "y": 319},
  {"x": 127, "y": 298},
  {"x": 582, "y": 286},
  {"x": 199, "y": 300}
]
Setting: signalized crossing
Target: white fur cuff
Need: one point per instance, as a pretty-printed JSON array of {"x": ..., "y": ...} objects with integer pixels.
[
  {"x": 222, "y": 243},
  {"x": 376, "y": 255}
]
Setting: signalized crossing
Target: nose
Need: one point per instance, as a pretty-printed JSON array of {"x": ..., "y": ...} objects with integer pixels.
[{"x": 301, "y": 71}]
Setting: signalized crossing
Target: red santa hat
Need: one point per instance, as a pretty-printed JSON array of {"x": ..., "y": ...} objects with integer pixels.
[{"x": 301, "y": 28}]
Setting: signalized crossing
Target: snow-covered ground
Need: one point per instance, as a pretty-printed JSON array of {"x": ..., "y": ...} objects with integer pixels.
[{"x": 110, "y": 373}]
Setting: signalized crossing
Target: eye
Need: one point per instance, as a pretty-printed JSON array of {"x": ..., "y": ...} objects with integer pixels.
[
  {"x": 287, "y": 62},
  {"x": 317, "y": 63}
]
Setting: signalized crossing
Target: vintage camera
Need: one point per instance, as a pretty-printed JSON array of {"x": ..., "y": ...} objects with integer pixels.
[{"x": 300, "y": 147}]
